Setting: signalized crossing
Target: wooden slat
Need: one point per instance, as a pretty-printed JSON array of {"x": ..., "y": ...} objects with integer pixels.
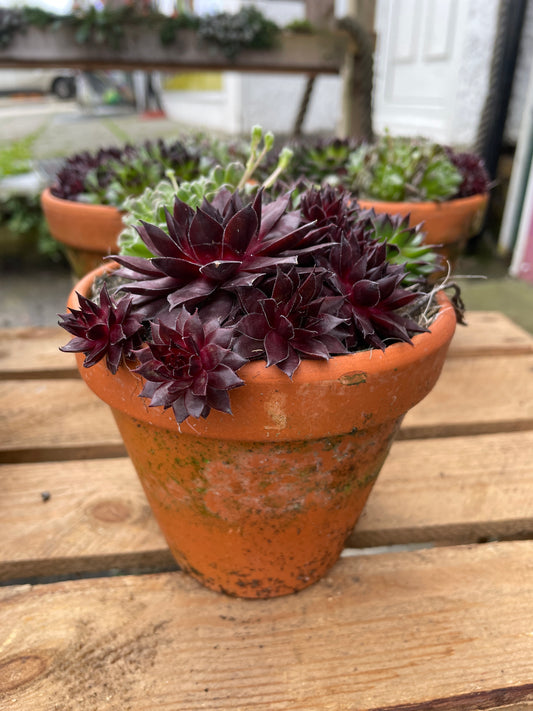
[
  {"x": 489, "y": 333},
  {"x": 96, "y": 518},
  {"x": 62, "y": 419},
  {"x": 457, "y": 490},
  {"x": 34, "y": 353},
  {"x": 446, "y": 629},
  {"x": 44, "y": 420},
  {"x": 453, "y": 490},
  {"x": 476, "y": 396}
]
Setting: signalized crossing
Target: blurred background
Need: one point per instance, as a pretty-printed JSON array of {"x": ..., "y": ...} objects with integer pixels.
[{"x": 456, "y": 72}]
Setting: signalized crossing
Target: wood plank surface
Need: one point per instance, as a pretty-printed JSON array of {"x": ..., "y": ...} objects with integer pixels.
[
  {"x": 458, "y": 490},
  {"x": 62, "y": 419},
  {"x": 446, "y": 629},
  {"x": 489, "y": 333},
  {"x": 34, "y": 353},
  {"x": 452, "y": 490},
  {"x": 43, "y": 420},
  {"x": 476, "y": 396}
]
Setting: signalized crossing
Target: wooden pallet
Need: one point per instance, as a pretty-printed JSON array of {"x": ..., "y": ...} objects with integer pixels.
[{"x": 440, "y": 619}]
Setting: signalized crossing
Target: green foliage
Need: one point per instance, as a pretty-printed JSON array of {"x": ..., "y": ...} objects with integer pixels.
[
  {"x": 322, "y": 161},
  {"x": 233, "y": 175},
  {"x": 400, "y": 169},
  {"x": 246, "y": 29},
  {"x": 130, "y": 177},
  {"x": 303, "y": 27},
  {"x": 406, "y": 246},
  {"x": 22, "y": 216},
  {"x": 16, "y": 156},
  {"x": 170, "y": 26},
  {"x": 230, "y": 33}
]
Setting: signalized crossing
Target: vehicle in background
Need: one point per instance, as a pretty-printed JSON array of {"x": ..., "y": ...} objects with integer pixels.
[{"x": 60, "y": 82}]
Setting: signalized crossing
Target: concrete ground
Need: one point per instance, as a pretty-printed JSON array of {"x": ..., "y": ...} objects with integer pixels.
[{"x": 35, "y": 297}]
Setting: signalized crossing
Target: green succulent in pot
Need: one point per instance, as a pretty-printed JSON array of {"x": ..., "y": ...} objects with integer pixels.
[
  {"x": 398, "y": 169},
  {"x": 444, "y": 190}
]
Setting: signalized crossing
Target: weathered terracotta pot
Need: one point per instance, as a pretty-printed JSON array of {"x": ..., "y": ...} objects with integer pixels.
[
  {"x": 259, "y": 503},
  {"x": 88, "y": 232},
  {"x": 448, "y": 224}
]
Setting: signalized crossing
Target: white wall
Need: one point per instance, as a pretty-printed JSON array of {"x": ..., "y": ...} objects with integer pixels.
[{"x": 273, "y": 100}]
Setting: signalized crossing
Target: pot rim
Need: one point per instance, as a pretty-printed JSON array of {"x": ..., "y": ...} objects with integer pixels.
[
  {"x": 93, "y": 228},
  {"x": 429, "y": 205},
  {"x": 75, "y": 205},
  {"x": 400, "y": 377}
]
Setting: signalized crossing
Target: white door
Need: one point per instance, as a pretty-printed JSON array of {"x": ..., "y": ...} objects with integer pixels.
[{"x": 419, "y": 53}]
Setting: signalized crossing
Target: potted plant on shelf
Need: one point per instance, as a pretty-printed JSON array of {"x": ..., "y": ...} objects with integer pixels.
[
  {"x": 84, "y": 206},
  {"x": 445, "y": 190},
  {"x": 258, "y": 357}
]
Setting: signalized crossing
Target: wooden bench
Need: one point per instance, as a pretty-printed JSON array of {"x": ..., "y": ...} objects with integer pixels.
[{"x": 431, "y": 607}]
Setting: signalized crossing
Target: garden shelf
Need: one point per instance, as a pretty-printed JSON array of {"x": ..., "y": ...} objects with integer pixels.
[{"x": 319, "y": 52}]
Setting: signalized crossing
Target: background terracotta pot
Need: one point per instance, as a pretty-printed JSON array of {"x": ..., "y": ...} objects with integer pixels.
[
  {"x": 259, "y": 503},
  {"x": 88, "y": 232},
  {"x": 449, "y": 224}
]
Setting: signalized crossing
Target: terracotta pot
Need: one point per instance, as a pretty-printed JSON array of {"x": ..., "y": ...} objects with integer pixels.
[
  {"x": 260, "y": 503},
  {"x": 88, "y": 232},
  {"x": 447, "y": 224}
]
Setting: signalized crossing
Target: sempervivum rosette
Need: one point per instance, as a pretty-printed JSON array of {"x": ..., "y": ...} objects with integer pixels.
[{"x": 233, "y": 281}]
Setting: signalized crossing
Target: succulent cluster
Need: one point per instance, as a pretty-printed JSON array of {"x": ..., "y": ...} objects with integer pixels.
[
  {"x": 242, "y": 278},
  {"x": 475, "y": 179},
  {"x": 231, "y": 33},
  {"x": 110, "y": 175},
  {"x": 255, "y": 259},
  {"x": 101, "y": 24},
  {"x": 399, "y": 169}
]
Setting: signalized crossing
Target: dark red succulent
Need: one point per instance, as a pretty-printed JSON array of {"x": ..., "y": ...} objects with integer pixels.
[
  {"x": 373, "y": 293},
  {"x": 329, "y": 206},
  {"x": 233, "y": 282},
  {"x": 476, "y": 179},
  {"x": 71, "y": 179},
  {"x": 222, "y": 245},
  {"x": 298, "y": 319},
  {"x": 109, "y": 329},
  {"x": 109, "y": 175},
  {"x": 188, "y": 365}
]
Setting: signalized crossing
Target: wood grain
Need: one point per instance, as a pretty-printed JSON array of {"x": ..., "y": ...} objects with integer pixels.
[
  {"x": 453, "y": 490},
  {"x": 461, "y": 490},
  {"x": 34, "y": 353},
  {"x": 489, "y": 333},
  {"x": 44, "y": 420},
  {"x": 476, "y": 396},
  {"x": 447, "y": 629}
]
